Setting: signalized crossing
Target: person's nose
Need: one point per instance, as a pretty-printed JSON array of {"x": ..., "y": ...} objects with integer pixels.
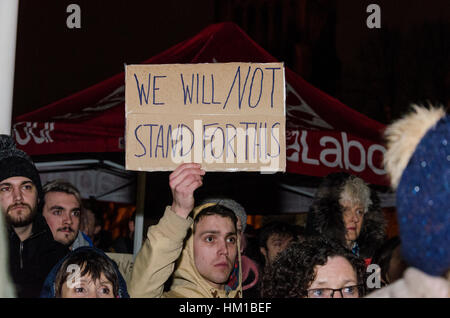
[
  {"x": 67, "y": 218},
  {"x": 355, "y": 216},
  {"x": 17, "y": 195},
  {"x": 337, "y": 294},
  {"x": 222, "y": 247}
]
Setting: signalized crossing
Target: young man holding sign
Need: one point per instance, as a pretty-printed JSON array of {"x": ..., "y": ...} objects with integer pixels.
[{"x": 201, "y": 252}]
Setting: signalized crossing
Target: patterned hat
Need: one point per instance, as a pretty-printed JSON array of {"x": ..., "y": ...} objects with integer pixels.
[
  {"x": 16, "y": 163},
  {"x": 418, "y": 160}
]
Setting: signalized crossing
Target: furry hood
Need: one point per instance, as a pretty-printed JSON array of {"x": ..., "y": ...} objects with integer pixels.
[{"x": 325, "y": 216}]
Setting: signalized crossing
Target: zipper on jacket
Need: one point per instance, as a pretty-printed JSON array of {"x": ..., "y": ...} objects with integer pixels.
[{"x": 21, "y": 259}]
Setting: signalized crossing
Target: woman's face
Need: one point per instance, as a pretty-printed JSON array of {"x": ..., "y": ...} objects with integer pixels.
[
  {"x": 336, "y": 274},
  {"x": 353, "y": 215},
  {"x": 86, "y": 287}
]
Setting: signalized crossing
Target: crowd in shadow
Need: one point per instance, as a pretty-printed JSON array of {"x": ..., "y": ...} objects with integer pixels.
[{"x": 54, "y": 246}]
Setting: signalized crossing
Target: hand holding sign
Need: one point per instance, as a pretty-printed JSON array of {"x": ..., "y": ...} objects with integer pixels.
[{"x": 183, "y": 181}]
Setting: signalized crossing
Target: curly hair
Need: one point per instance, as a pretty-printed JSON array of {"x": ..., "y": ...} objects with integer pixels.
[{"x": 294, "y": 270}]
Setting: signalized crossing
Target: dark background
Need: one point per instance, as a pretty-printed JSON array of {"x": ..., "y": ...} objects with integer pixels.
[{"x": 378, "y": 72}]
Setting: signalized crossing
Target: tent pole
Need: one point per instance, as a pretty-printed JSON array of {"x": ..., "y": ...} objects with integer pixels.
[
  {"x": 9, "y": 10},
  {"x": 140, "y": 206}
]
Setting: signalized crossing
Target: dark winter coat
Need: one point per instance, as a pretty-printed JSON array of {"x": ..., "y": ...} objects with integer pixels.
[
  {"x": 32, "y": 259},
  {"x": 325, "y": 216}
]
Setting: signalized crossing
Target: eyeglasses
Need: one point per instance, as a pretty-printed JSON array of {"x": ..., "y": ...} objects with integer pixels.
[{"x": 346, "y": 292}]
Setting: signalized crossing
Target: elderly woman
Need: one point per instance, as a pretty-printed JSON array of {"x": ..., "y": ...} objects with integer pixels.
[
  {"x": 315, "y": 268},
  {"x": 347, "y": 211}
]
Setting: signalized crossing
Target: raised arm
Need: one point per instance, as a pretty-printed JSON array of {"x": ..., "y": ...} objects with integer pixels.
[{"x": 155, "y": 261}]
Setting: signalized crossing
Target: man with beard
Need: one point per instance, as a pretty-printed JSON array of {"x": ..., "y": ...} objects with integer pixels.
[
  {"x": 62, "y": 211},
  {"x": 32, "y": 250}
]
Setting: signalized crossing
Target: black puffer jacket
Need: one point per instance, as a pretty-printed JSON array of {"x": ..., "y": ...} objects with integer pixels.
[
  {"x": 325, "y": 216},
  {"x": 32, "y": 259}
]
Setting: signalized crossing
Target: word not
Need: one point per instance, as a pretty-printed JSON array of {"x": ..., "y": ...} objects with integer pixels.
[
  {"x": 199, "y": 88},
  {"x": 298, "y": 151},
  {"x": 212, "y": 142},
  {"x": 73, "y": 21}
]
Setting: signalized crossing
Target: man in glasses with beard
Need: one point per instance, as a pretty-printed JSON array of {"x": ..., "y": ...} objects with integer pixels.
[{"x": 32, "y": 250}]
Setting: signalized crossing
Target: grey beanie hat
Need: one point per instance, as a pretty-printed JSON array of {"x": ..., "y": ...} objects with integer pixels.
[{"x": 233, "y": 206}]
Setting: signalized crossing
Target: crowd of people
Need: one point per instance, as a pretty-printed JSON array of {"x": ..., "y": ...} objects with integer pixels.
[{"x": 202, "y": 250}]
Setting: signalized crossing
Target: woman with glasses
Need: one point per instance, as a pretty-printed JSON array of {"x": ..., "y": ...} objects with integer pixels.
[
  {"x": 347, "y": 211},
  {"x": 315, "y": 268}
]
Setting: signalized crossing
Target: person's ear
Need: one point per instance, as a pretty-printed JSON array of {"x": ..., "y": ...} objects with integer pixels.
[{"x": 97, "y": 229}]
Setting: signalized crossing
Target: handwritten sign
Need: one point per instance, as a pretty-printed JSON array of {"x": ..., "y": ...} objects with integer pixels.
[{"x": 225, "y": 116}]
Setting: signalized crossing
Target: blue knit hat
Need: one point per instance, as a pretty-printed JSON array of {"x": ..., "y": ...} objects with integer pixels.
[{"x": 423, "y": 192}]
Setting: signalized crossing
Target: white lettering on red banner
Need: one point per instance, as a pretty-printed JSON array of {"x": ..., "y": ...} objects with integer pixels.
[
  {"x": 342, "y": 152},
  {"x": 26, "y": 131}
]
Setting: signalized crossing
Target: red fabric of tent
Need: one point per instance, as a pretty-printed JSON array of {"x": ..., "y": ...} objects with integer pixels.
[{"x": 323, "y": 135}]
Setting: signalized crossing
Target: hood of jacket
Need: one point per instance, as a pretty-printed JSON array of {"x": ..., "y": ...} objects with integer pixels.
[
  {"x": 48, "y": 290},
  {"x": 187, "y": 281},
  {"x": 325, "y": 217}
]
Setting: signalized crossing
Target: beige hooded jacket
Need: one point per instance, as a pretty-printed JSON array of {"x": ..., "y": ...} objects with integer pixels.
[{"x": 166, "y": 252}]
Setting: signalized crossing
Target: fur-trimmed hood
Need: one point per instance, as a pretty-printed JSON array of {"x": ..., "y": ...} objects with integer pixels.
[{"x": 325, "y": 216}]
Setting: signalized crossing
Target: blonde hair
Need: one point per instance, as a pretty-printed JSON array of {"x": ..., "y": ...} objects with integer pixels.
[{"x": 60, "y": 185}]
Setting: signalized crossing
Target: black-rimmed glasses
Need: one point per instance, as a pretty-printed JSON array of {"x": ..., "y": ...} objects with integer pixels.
[{"x": 354, "y": 291}]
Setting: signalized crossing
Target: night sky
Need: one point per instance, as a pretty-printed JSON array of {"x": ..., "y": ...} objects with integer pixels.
[{"x": 53, "y": 61}]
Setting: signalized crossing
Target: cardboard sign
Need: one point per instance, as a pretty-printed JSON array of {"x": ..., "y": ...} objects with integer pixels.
[{"x": 225, "y": 116}]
